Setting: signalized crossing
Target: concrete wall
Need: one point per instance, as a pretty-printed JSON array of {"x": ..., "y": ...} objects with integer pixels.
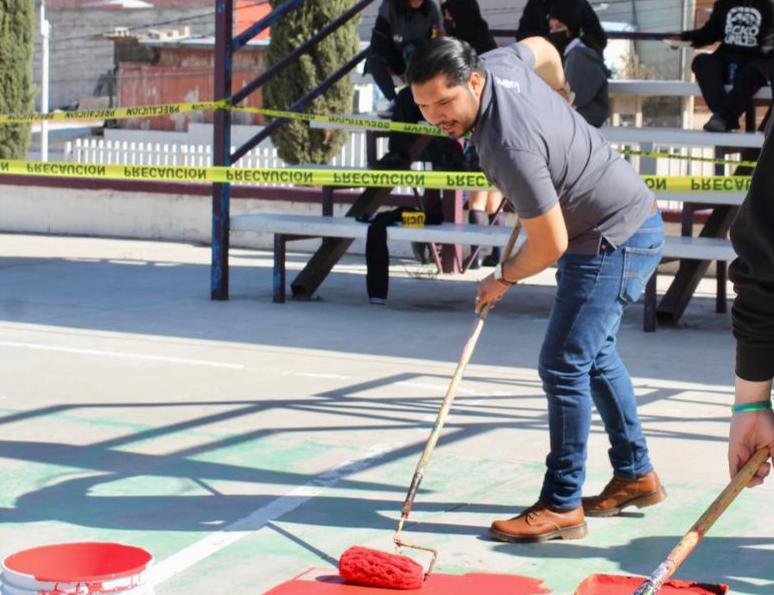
[{"x": 146, "y": 216}]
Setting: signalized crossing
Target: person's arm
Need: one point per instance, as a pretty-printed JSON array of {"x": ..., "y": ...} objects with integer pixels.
[
  {"x": 527, "y": 182},
  {"x": 533, "y": 20},
  {"x": 585, "y": 76},
  {"x": 710, "y": 32},
  {"x": 383, "y": 44},
  {"x": 752, "y": 315},
  {"x": 547, "y": 63},
  {"x": 545, "y": 244}
]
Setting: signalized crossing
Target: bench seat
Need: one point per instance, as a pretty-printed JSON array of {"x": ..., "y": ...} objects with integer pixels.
[{"x": 286, "y": 227}]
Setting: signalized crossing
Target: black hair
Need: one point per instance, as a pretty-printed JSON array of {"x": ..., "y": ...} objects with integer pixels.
[
  {"x": 569, "y": 13},
  {"x": 453, "y": 58}
]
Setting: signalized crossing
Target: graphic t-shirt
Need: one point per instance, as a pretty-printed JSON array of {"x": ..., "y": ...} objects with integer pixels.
[{"x": 740, "y": 26}]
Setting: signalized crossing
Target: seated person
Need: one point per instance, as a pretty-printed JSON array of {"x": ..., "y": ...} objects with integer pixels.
[
  {"x": 584, "y": 67},
  {"x": 462, "y": 19},
  {"x": 740, "y": 26},
  {"x": 537, "y": 13},
  {"x": 400, "y": 26}
]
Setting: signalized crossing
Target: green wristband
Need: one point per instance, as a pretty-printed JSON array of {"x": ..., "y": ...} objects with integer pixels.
[{"x": 756, "y": 406}]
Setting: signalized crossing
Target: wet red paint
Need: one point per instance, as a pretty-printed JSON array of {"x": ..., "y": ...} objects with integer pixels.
[
  {"x": 79, "y": 562},
  {"x": 611, "y": 584},
  {"x": 316, "y": 582}
]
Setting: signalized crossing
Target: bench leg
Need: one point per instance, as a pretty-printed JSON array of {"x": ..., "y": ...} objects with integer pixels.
[
  {"x": 649, "y": 311},
  {"x": 327, "y": 201},
  {"x": 720, "y": 296},
  {"x": 279, "y": 269}
]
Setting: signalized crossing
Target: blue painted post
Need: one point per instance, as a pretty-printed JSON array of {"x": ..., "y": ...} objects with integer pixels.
[{"x": 221, "y": 150}]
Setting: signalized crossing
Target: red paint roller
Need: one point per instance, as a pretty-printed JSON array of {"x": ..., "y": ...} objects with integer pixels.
[
  {"x": 374, "y": 568},
  {"x": 365, "y": 566}
]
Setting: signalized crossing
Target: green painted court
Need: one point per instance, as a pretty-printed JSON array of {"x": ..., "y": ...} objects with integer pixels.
[{"x": 243, "y": 442}]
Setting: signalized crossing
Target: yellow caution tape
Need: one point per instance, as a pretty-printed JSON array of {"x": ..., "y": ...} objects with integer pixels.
[
  {"x": 365, "y": 123},
  {"x": 168, "y": 109},
  {"x": 348, "y": 178},
  {"x": 117, "y": 113},
  {"x": 688, "y": 158}
]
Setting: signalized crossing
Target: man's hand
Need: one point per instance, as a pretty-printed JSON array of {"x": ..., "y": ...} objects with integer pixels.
[
  {"x": 750, "y": 432},
  {"x": 490, "y": 291}
]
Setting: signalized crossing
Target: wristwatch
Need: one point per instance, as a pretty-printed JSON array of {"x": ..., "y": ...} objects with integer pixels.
[{"x": 498, "y": 275}]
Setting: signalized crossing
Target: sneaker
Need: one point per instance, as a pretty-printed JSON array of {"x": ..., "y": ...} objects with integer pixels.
[
  {"x": 387, "y": 112},
  {"x": 716, "y": 124},
  {"x": 621, "y": 493},
  {"x": 491, "y": 261},
  {"x": 540, "y": 523}
]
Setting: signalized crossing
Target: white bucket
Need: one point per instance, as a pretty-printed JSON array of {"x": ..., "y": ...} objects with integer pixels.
[
  {"x": 6, "y": 589},
  {"x": 77, "y": 569}
]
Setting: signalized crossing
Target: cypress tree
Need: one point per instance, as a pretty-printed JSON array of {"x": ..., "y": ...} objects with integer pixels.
[
  {"x": 296, "y": 141},
  {"x": 17, "y": 23}
]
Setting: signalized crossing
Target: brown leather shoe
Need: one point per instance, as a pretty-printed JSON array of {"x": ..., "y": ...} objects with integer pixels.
[
  {"x": 540, "y": 523},
  {"x": 620, "y": 493}
]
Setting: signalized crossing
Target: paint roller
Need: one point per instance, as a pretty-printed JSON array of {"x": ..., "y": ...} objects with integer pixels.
[{"x": 370, "y": 567}]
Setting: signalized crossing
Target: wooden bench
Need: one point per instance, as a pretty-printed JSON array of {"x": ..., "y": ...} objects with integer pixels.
[
  {"x": 664, "y": 88},
  {"x": 288, "y": 227},
  {"x": 627, "y": 135},
  {"x": 627, "y": 95}
]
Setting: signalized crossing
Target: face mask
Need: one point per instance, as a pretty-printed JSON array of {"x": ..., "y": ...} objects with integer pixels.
[{"x": 559, "y": 39}]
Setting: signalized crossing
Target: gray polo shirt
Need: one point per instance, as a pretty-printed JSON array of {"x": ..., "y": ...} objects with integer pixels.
[{"x": 538, "y": 151}]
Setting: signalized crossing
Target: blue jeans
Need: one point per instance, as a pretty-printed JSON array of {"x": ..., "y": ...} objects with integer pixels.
[{"x": 579, "y": 362}]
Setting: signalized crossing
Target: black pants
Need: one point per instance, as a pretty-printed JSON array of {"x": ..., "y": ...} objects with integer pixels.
[
  {"x": 712, "y": 74},
  {"x": 378, "y": 67}
]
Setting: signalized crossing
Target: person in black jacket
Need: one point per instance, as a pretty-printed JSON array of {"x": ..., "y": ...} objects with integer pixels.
[
  {"x": 752, "y": 234},
  {"x": 537, "y": 13},
  {"x": 462, "y": 19},
  {"x": 584, "y": 67},
  {"x": 401, "y": 25},
  {"x": 741, "y": 27}
]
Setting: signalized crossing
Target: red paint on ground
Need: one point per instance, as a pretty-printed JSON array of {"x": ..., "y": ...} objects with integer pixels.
[
  {"x": 611, "y": 584},
  {"x": 315, "y": 583},
  {"x": 79, "y": 562}
]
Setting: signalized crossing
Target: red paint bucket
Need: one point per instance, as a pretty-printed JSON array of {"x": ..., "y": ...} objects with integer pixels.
[{"x": 77, "y": 568}]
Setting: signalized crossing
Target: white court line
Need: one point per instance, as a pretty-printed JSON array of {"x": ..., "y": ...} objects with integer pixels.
[
  {"x": 214, "y": 542},
  {"x": 124, "y": 355},
  {"x": 315, "y": 375}
]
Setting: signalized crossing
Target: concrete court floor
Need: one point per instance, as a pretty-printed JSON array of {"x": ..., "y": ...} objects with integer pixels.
[{"x": 242, "y": 442}]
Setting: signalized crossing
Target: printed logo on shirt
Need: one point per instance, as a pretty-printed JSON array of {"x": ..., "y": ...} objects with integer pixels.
[
  {"x": 508, "y": 84},
  {"x": 743, "y": 24}
]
